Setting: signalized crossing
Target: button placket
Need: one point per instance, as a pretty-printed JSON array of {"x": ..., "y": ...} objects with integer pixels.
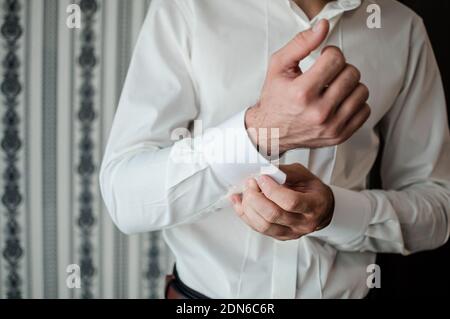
[
  {"x": 284, "y": 273},
  {"x": 286, "y": 254}
]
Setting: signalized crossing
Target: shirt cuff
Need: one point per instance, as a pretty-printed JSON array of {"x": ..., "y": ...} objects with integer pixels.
[
  {"x": 351, "y": 218},
  {"x": 233, "y": 157}
]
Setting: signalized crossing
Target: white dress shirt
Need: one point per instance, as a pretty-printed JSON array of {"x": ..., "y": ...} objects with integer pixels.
[{"x": 205, "y": 60}]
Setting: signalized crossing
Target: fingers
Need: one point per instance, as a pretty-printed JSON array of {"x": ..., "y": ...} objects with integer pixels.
[
  {"x": 271, "y": 212},
  {"x": 355, "y": 123},
  {"x": 300, "y": 47},
  {"x": 355, "y": 107},
  {"x": 237, "y": 204},
  {"x": 346, "y": 82},
  {"x": 327, "y": 67},
  {"x": 267, "y": 217},
  {"x": 352, "y": 104},
  {"x": 259, "y": 224},
  {"x": 284, "y": 197}
]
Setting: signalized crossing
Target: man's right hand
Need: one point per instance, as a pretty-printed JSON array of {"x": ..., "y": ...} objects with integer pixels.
[{"x": 322, "y": 107}]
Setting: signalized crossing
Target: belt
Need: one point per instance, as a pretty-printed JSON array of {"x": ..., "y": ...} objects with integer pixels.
[{"x": 176, "y": 289}]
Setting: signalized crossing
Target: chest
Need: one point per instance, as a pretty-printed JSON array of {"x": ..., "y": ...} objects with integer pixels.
[{"x": 230, "y": 63}]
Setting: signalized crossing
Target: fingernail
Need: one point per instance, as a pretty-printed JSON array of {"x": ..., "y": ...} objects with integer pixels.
[
  {"x": 317, "y": 26},
  {"x": 261, "y": 180}
]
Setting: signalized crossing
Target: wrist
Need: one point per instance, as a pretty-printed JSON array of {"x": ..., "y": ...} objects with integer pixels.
[
  {"x": 254, "y": 126},
  {"x": 260, "y": 132},
  {"x": 253, "y": 117},
  {"x": 329, "y": 210}
]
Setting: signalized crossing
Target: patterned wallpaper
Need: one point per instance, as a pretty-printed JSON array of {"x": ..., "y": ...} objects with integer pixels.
[{"x": 59, "y": 90}]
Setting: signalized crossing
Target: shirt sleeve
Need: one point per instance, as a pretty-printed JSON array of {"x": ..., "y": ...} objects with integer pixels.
[
  {"x": 150, "y": 179},
  {"x": 412, "y": 213}
]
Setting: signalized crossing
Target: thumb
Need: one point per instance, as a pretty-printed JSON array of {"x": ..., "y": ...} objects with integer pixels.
[
  {"x": 301, "y": 46},
  {"x": 288, "y": 199}
]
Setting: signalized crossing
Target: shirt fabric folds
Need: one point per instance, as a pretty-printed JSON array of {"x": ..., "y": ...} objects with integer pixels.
[{"x": 203, "y": 63}]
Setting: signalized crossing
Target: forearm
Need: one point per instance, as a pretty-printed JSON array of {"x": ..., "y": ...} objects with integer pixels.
[{"x": 150, "y": 188}]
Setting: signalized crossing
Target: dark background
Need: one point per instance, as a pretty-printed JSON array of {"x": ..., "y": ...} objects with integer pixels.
[{"x": 425, "y": 274}]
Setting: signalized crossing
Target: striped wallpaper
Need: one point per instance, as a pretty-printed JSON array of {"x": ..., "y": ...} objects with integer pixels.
[{"x": 59, "y": 90}]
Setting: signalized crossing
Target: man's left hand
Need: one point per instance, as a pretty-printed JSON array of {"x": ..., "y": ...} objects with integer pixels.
[{"x": 286, "y": 212}]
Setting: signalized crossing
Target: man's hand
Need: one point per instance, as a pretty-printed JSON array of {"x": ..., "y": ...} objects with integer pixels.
[
  {"x": 321, "y": 107},
  {"x": 288, "y": 212}
]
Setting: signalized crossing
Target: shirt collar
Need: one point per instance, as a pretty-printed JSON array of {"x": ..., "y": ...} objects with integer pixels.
[
  {"x": 331, "y": 9},
  {"x": 347, "y": 5}
]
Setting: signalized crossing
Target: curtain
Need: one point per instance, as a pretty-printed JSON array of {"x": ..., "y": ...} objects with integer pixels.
[{"x": 59, "y": 91}]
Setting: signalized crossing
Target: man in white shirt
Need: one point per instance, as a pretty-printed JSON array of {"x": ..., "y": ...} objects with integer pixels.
[{"x": 311, "y": 229}]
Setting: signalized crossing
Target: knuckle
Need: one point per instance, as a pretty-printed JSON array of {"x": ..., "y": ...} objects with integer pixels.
[
  {"x": 297, "y": 230},
  {"x": 285, "y": 234},
  {"x": 274, "y": 216},
  {"x": 311, "y": 227},
  {"x": 297, "y": 235},
  {"x": 367, "y": 110},
  {"x": 364, "y": 91},
  {"x": 300, "y": 39},
  {"x": 292, "y": 203},
  {"x": 364, "y": 87},
  {"x": 318, "y": 116},
  {"x": 264, "y": 227},
  {"x": 335, "y": 56},
  {"x": 304, "y": 97},
  {"x": 354, "y": 72}
]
